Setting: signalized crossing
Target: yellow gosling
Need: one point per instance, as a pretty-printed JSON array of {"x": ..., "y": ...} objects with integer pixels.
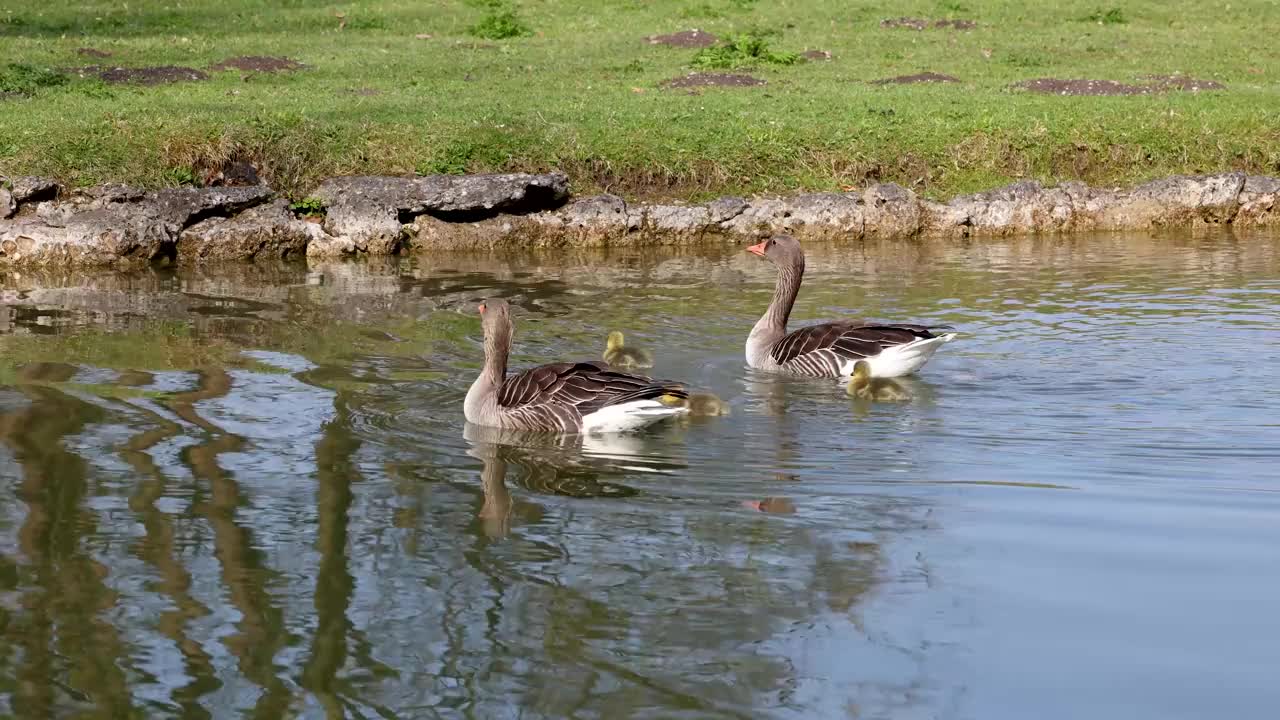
[
  {"x": 707, "y": 405},
  {"x": 617, "y": 354},
  {"x": 864, "y": 387}
]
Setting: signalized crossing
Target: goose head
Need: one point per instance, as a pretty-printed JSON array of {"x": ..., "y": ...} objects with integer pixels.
[
  {"x": 781, "y": 250},
  {"x": 615, "y": 341},
  {"x": 495, "y": 318},
  {"x": 862, "y": 371}
]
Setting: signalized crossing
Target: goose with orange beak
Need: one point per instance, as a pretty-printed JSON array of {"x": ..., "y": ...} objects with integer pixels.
[{"x": 830, "y": 350}]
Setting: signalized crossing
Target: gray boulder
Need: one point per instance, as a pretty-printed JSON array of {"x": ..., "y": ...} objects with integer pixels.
[
  {"x": 116, "y": 224},
  {"x": 1259, "y": 201},
  {"x": 265, "y": 231},
  {"x": 1178, "y": 200},
  {"x": 371, "y": 212}
]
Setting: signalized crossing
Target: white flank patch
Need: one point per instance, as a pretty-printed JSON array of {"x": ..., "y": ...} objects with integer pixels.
[
  {"x": 900, "y": 360},
  {"x": 628, "y": 416}
]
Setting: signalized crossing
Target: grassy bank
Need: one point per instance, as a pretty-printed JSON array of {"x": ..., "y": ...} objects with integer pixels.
[{"x": 576, "y": 87}]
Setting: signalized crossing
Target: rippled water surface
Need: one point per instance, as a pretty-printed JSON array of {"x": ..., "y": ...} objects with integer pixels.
[{"x": 249, "y": 491}]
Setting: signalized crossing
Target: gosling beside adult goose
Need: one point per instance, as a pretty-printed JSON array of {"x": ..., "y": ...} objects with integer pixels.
[
  {"x": 566, "y": 397},
  {"x": 618, "y": 354},
  {"x": 701, "y": 404},
  {"x": 864, "y": 387},
  {"x": 829, "y": 350}
]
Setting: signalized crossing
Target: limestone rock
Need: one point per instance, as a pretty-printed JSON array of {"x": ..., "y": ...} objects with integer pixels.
[
  {"x": 1003, "y": 211},
  {"x": 183, "y": 206},
  {"x": 891, "y": 211},
  {"x": 18, "y": 191},
  {"x": 23, "y": 189},
  {"x": 93, "y": 237},
  {"x": 814, "y": 216},
  {"x": 372, "y": 211},
  {"x": 115, "y": 224},
  {"x": 1178, "y": 200},
  {"x": 725, "y": 209},
  {"x": 327, "y": 247},
  {"x": 432, "y": 233},
  {"x": 1259, "y": 201},
  {"x": 676, "y": 224},
  {"x": 265, "y": 231},
  {"x": 598, "y": 221},
  {"x": 944, "y": 220}
]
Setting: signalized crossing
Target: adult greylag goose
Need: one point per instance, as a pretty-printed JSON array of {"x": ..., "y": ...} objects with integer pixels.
[
  {"x": 864, "y": 387},
  {"x": 617, "y": 354},
  {"x": 829, "y": 350},
  {"x": 566, "y": 397}
]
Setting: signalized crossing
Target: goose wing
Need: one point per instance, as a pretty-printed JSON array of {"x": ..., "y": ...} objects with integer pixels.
[
  {"x": 578, "y": 388},
  {"x": 822, "y": 350}
]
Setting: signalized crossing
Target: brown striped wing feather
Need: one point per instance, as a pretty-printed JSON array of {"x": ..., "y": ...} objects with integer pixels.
[
  {"x": 584, "y": 386},
  {"x": 843, "y": 341}
]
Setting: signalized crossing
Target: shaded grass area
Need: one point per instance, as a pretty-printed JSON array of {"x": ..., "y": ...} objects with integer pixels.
[{"x": 575, "y": 87}]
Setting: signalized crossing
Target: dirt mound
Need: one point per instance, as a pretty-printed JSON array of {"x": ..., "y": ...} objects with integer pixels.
[
  {"x": 1055, "y": 86},
  {"x": 924, "y": 77},
  {"x": 259, "y": 63},
  {"x": 684, "y": 39},
  {"x": 1182, "y": 82},
  {"x": 92, "y": 52},
  {"x": 1158, "y": 83},
  {"x": 698, "y": 80},
  {"x": 154, "y": 75},
  {"x": 911, "y": 23},
  {"x": 816, "y": 54}
]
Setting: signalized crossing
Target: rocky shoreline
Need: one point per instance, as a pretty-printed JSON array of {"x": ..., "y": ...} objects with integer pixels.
[{"x": 43, "y": 224}]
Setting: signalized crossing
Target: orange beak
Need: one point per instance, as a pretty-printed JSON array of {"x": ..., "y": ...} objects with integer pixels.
[
  {"x": 757, "y": 249},
  {"x": 481, "y": 308}
]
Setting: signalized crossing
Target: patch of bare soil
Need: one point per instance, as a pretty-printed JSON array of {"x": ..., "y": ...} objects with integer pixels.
[
  {"x": 259, "y": 63},
  {"x": 1182, "y": 82},
  {"x": 816, "y": 54},
  {"x": 1158, "y": 83},
  {"x": 911, "y": 23},
  {"x": 154, "y": 75},
  {"x": 1055, "y": 86},
  {"x": 699, "y": 80},
  {"x": 684, "y": 39},
  {"x": 924, "y": 77},
  {"x": 93, "y": 52},
  {"x": 228, "y": 173}
]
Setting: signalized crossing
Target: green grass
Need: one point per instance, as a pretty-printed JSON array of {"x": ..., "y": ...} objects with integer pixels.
[
  {"x": 742, "y": 51},
  {"x": 502, "y": 23},
  {"x": 22, "y": 79},
  {"x": 583, "y": 93}
]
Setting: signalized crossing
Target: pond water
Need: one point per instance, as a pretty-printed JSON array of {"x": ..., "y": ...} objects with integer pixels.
[{"x": 249, "y": 491}]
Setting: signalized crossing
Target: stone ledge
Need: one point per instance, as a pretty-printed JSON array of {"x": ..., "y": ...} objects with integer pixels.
[{"x": 42, "y": 225}]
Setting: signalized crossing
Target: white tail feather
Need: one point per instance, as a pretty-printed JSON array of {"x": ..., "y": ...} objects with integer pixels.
[
  {"x": 630, "y": 416},
  {"x": 903, "y": 359}
]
